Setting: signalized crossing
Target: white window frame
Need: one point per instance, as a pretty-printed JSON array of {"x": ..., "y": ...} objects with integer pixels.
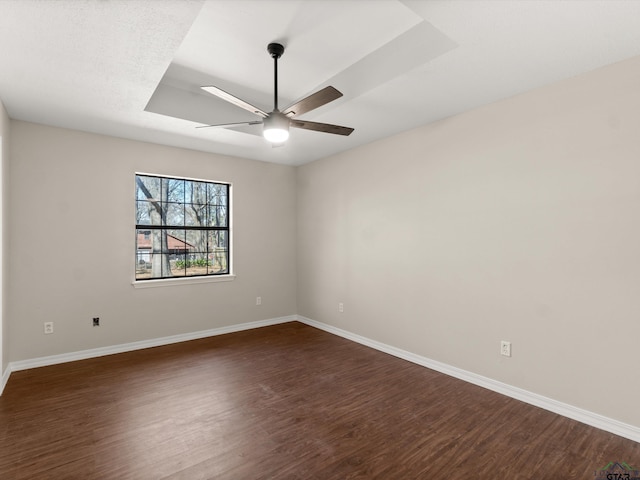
[{"x": 187, "y": 280}]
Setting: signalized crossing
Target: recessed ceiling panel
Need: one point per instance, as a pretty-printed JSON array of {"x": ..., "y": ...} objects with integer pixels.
[
  {"x": 359, "y": 63},
  {"x": 322, "y": 38}
]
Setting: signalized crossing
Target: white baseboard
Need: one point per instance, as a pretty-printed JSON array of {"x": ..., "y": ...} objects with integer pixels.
[
  {"x": 584, "y": 416},
  {"x": 5, "y": 378},
  {"x": 128, "y": 347}
]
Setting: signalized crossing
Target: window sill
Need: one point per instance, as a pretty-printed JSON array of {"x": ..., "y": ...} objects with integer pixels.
[{"x": 167, "y": 282}]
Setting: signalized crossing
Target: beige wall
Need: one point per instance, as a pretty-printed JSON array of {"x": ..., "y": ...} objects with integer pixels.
[
  {"x": 519, "y": 221},
  {"x": 4, "y": 193},
  {"x": 72, "y": 243}
]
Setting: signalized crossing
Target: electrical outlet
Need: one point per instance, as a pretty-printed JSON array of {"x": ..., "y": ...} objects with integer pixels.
[
  {"x": 341, "y": 307},
  {"x": 505, "y": 348},
  {"x": 48, "y": 328},
  {"x": 96, "y": 321},
  {"x": 258, "y": 300}
]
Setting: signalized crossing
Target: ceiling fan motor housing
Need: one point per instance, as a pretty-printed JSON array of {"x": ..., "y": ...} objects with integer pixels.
[{"x": 276, "y": 127}]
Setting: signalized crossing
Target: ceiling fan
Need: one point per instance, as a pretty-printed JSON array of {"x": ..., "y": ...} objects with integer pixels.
[{"x": 276, "y": 124}]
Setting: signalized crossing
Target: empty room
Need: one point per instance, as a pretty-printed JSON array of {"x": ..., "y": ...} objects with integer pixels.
[{"x": 319, "y": 239}]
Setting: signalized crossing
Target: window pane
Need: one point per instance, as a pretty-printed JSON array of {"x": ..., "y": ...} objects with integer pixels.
[
  {"x": 144, "y": 215},
  {"x": 147, "y": 188},
  {"x": 177, "y": 243},
  {"x": 197, "y": 193},
  {"x": 217, "y": 238},
  {"x": 218, "y": 252},
  {"x": 174, "y": 214},
  {"x": 218, "y": 202},
  {"x": 217, "y": 216},
  {"x": 196, "y": 215},
  {"x": 143, "y": 254},
  {"x": 175, "y": 190},
  {"x": 178, "y": 264},
  {"x": 216, "y": 192},
  {"x": 197, "y": 240},
  {"x": 160, "y": 263},
  {"x": 152, "y": 259},
  {"x": 219, "y": 262},
  {"x": 150, "y": 240},
  {"x": 197, "y": 264}
]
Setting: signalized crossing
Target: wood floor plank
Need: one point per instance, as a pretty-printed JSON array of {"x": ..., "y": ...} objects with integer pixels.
[{"x": 281, "y": 402}]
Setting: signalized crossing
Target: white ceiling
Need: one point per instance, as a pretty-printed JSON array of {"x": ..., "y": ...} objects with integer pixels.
[{"x": 132, "y": 68}]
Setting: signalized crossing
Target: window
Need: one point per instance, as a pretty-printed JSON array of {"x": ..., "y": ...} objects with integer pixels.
[{"x": 182, "y": 228}]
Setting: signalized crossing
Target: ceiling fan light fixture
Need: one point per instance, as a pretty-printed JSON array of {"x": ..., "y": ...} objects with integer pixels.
[
  {"x": 276, "y": 135},
  {"x": 276, "y": 127}
]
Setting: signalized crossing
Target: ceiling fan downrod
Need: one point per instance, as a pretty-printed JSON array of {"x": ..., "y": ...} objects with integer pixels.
[{"x": 275, "y": 50}]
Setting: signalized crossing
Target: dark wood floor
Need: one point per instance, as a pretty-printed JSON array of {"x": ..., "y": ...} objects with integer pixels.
[{"x": 281, "y": 402}]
